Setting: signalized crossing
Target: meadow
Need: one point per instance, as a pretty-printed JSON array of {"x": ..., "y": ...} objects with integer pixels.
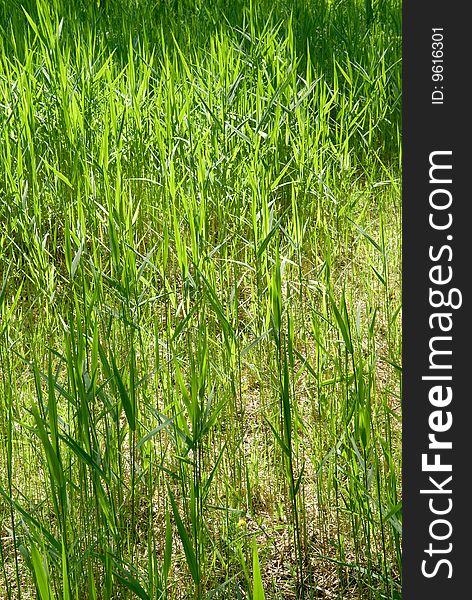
[{"x": 200, "y": 299}]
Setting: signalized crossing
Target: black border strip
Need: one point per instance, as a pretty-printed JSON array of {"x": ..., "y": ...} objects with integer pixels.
[{"x": 441, "y": 128}]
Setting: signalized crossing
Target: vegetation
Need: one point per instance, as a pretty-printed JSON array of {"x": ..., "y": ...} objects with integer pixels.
[{"x": 200, "y": 301}]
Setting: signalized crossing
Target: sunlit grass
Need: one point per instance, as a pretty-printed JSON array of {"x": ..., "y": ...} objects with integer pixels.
[{"x": 200, "y": 338}]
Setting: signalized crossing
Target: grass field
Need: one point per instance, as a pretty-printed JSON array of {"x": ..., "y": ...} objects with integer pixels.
[{"x": 200, "y": 299}]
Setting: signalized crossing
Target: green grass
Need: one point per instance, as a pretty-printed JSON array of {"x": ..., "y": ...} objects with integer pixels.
[{"x": 200, "y": 304}]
